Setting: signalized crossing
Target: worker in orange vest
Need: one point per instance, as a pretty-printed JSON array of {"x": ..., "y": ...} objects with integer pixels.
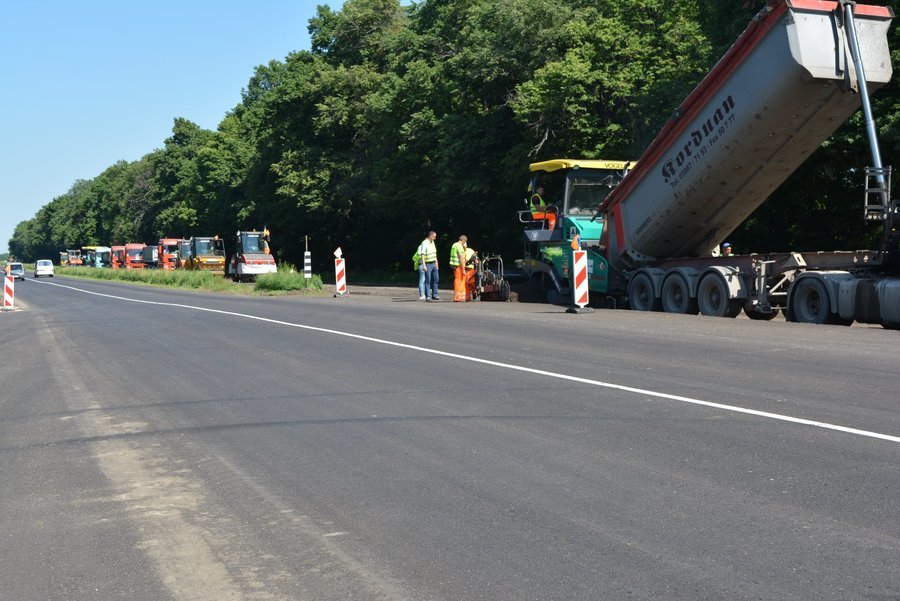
[{"x": 458, "y": 265}]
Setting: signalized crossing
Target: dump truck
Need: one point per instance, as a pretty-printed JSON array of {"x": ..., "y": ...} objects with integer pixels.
[
  {"x": 167, "y": 253},
  {"x": 150, "y": 257},
  {"x": 652, "y": 228},
  {"x": 205, "y": 253},
  {"x": 134, "y": 255},
  {"x": 251, "y": 256},
  {"x": 117, "y": 257}
]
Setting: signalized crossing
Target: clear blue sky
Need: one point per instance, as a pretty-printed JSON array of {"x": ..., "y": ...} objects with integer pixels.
[{"x": 86, "y": 83}]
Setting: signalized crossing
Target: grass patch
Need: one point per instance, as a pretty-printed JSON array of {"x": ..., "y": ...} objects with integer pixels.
[
  {"x": 288, "y": 279},
  {"x": 272, "y": 283},
  {"x": 194, "y": 280}
]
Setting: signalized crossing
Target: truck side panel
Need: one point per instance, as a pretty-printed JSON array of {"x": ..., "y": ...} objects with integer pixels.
[{"x": 783, "y": 89}]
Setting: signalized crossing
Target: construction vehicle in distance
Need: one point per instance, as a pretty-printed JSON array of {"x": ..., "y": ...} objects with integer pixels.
[
  {"x": 167, "y": 253},
  {"x": 251, "y": 256},
  {"x": 134, "y": 255},
  {"x": 96, "y": 256},
  {"x": 63, "y": 258},
  {"x": 117, "y": 257},
  {"x": 652, "y": 228},
  {"x": 184, "y": 251},
  {"x": 150, "y": 257},
  {"x": 87, "y": 255},
  {"x": 73, "y": 257},
  {"x": 205, "y": 253}
]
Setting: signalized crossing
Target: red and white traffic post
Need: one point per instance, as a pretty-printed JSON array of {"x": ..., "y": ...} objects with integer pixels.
[
  {"x": 340, "y": 274},
  {"x": 9, "y": 292},
  {"x": 579, "y": 279}
]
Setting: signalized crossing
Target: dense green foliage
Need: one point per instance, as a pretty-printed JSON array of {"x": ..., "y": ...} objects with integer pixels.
[{"x": 404, "y": 118}]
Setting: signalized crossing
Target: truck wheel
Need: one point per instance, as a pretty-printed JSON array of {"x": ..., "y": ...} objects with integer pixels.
[
  {"x": 713, "y": 298},
  {"x": 676, "y": 296},
  {"x": 810, "y": 302},
  {"x": 640, "y": 294}
]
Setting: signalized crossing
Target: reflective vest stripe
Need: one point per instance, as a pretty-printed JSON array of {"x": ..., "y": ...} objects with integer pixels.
[
  {"x": 454, "y": 253},
  {"x": 428, "y": 251}
]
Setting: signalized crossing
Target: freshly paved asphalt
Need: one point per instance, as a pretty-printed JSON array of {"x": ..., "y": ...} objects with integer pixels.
[{"x": 159, "y": 452}]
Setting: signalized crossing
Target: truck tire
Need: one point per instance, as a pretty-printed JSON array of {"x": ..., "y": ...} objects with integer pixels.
[
  {"x": 676, "y": 296},
  {"x": 713, "y": 297},
  {"x": 810, "y": 303},
  {"x": 640, "y": 294}
]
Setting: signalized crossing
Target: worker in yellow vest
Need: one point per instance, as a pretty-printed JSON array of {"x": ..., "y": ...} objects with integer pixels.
[
  {"x": 540, "y": 210},
  {"x": 428, "y": 268}
]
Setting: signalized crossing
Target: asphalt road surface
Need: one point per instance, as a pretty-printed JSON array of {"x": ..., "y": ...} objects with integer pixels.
[{"x": 201, "y": 447}]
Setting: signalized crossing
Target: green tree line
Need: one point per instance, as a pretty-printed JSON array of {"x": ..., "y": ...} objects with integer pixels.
[{"x": 405, "y": 118}]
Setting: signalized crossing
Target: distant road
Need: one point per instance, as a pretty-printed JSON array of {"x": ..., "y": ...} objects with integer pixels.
[{"x": 165, "y": 445}]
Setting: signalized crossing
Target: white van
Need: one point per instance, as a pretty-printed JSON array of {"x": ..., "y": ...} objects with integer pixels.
[{"x": 43, "y": 267}]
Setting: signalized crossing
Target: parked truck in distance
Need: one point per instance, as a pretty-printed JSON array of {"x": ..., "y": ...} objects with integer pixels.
[
  {"x": 205, "y": 253},
  {"x": 117, "y": 257},
  {"x": 150, "y": 257},
  {"x": 167, "y": 253},
  {"x": 252, "y": 256},
  {"x": 134, "y": 255},
  {"x": 651, "y": 227}
]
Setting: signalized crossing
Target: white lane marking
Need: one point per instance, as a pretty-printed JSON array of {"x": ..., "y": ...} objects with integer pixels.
[{"x": 530, "y": 370}]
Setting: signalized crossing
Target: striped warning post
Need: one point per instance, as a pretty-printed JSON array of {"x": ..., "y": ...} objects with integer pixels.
[
  {"x": 340, "y": 278},
  {"x": 580, "y": 277},
  {"x": 9, "y": 292},
  {"x": 307, "y": 265}
]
